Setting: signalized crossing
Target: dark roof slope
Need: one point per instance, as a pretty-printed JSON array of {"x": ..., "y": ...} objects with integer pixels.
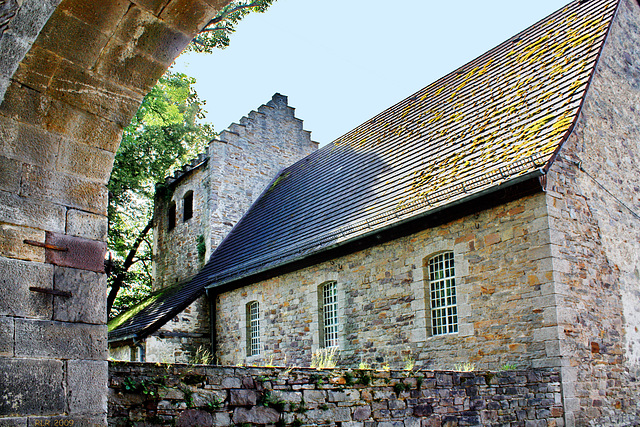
[{"x": 495, "y": 120}]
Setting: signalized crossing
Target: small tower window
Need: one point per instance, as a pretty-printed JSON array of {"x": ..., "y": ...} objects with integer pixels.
[
  {"x": 171, "y": 216},
  {"x": 187, "y": 203}
]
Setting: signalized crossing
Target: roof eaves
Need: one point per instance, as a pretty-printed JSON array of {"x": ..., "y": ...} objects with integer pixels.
[
  {"x": 123, "y": 339},
  {"x": 186, "y": 170}
]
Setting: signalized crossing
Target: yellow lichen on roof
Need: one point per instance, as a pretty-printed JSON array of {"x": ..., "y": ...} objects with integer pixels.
[
  {"x": 549, "y": 58},
  {"x": 517, "y": 102}
]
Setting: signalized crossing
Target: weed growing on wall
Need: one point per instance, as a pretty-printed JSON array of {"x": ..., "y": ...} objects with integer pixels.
[
  {"x": 324, "y": 358},
  {"x": 464, "y": 367},
  {"x": 363, "y": 365},
  {"x": 202, "y": 248},
  {"x": 409, "y": 363},
  {"x": 202, "y": 356},
  {"x": 508, "y": 367}
]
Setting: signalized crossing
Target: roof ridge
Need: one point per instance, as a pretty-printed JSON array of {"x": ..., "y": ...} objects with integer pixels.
[{"x": 468, "y": 64}]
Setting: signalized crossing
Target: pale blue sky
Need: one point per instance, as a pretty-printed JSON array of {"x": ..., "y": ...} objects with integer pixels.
[{"x": 341, "y": 62}]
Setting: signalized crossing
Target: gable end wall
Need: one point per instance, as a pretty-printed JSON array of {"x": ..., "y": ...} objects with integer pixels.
[
  {"x": 596, "y": 240},
  {"x": 247, "y": 157}
]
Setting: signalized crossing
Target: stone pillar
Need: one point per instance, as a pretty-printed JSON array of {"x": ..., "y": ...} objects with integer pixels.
[{"x": 71, "y": 76}]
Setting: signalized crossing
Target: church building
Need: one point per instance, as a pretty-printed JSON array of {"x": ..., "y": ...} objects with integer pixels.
[{"x": 492, "y": 217}]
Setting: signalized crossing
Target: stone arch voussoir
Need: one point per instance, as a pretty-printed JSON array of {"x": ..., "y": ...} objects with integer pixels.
[{"x": 72, "y": 74}]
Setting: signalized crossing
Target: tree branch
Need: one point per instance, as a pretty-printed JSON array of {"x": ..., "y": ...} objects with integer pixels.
[
  {"x": 208, "y": 30},
  {"x": 224, "y": 14},
  {"x": 118, "y": 280}
]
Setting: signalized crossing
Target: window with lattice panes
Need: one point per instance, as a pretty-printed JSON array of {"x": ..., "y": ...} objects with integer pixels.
[
  {"x": 328, "y": 299},
  {"x": 253, "y": 328},
  {"x": 442, "y": 294}
]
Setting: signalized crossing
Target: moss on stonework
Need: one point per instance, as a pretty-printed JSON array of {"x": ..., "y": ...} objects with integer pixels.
[
  {"x": 202, "y": 248},
  {"x": 164, "y": 192}
]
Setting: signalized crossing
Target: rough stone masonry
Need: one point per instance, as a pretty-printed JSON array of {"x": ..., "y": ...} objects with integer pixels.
[
  {"x": 72, "y": 73},
  {"x": 188, "y": 395}
]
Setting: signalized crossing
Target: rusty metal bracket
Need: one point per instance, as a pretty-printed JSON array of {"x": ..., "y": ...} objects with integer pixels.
[
  {"x": 45, "y": 245},
  {"x": 51, "y": 291},
  {"x": 82, "y": 253}
]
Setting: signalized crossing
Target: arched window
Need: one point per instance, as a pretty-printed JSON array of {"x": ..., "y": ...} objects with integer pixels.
[
  {"x": 442, "y": 294},
  {"x": 328, "y": 314},
  {"x": 187, "y": 204},
  {"x": 171, "y": 216},
  {"x": 253, "y": 328}
]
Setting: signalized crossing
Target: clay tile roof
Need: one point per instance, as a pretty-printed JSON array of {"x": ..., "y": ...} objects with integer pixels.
[{"x": 493, "y": 121}]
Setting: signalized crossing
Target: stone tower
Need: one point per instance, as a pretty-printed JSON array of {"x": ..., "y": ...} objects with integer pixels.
[{"x": 200, "y": 204}]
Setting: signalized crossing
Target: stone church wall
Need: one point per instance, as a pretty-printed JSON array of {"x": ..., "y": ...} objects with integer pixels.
[
  {"x": 180, "y": 338},
  {"x": 594, "y": 203},
  {"x": 505, "y": 304}
]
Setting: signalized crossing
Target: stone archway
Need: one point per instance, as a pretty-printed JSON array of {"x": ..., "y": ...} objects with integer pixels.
[{"x": 72, "y": 73}]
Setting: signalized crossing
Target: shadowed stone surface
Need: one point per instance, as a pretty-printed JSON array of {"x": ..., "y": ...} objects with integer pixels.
[
  {"x": 87, "y": 303},
  {"x": 60, "y": 340},
  {"x": 87, "y": 225},
  {"x": 28, "y": 212},
  {"x": 86, "y": 379},
  {"x": 6, "y": 336},
  {"x": 16, "y": 278},
  {"x": 243, "y": 398},
  {"x": 13, "y": 422},
  {"x": 31, "y": 387},
  {"x": 256, "y": 415},
  {"x": 194, "y": 417}
]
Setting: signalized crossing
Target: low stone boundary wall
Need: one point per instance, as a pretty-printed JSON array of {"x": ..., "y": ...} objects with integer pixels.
[{"x": 197, "y": 395}]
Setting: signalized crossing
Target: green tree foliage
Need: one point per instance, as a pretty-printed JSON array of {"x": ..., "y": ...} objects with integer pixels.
[
  {"x": 215, "y": 35},
  {"x": 162, "y": 136}
]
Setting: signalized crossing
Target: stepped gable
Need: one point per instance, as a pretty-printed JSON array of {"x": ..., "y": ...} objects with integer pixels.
[
  {"x": 493, "y": 122},
  {"x": 279, "y": 105},
  {"x": 236, "y": 131}
]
